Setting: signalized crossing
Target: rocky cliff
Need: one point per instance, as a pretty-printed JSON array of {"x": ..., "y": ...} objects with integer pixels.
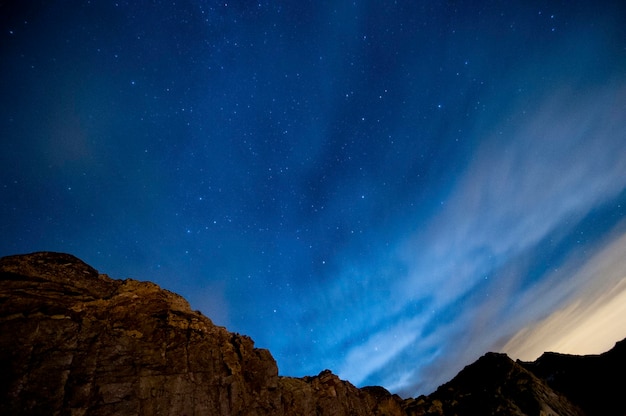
[{"x": 76, "y": 342}]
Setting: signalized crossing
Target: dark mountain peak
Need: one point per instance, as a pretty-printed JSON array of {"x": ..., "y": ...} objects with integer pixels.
[
  {"x": 496, "y": 385},
  {"x": 590, "y": 381},
  {"x": 489, "y": 369},
  {"x": 619, "y": 349}
]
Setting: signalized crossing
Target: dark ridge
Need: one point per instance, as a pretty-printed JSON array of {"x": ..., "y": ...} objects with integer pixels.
[{"x": 593, "y": 382}]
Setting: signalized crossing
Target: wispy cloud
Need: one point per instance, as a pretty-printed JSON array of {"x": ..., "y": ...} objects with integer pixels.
[
  {"x": 378, "y": 349},
  {"x": 538, "y": 173},
  {"x": 592, "y": 319}
]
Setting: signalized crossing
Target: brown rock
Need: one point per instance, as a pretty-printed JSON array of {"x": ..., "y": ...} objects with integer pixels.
[{"x": 75, "y": 342}]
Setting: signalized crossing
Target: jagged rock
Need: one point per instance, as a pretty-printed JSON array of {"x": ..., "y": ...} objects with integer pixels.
[
  {"x": 76, "y": 342},
  {"x": 593, "y": 382},
  {"x": 326, "y": 394},
  {"x": 494, "y": 385}
]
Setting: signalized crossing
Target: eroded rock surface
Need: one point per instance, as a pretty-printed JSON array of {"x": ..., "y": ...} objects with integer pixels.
[{"x": 76, "y": 342}]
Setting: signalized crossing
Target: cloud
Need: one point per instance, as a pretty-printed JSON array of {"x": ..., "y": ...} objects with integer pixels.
[
  {"x": 592, "y": 319},
  {"x": 531, "y": 175},
  {"x": 378, "y": 350},
  {"x": 537, "y": 174}
]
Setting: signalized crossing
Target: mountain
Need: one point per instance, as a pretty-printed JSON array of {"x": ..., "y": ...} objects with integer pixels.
[
  {"x": 593, "y": 382},
  {"x": 495, "y": 385},
  {"x": 76, "y": 342}
]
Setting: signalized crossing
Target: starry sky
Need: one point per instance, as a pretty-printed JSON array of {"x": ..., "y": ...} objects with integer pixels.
[{"x": 387, "y": 189}]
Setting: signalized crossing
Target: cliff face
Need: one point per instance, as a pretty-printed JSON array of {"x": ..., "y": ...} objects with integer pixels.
[{"x": 75, "y": 342}]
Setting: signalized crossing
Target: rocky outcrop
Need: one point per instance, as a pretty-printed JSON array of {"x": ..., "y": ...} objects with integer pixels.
[
  {"x": 494, "y": 385},
  {"x": 326, "y": 394},
  {"x": 593, "y": 382},
  {"x": 76, "y": 342}
]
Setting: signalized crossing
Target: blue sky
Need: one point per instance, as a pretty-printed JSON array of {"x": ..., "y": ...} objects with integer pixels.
[{"x": 384, "y": 189}]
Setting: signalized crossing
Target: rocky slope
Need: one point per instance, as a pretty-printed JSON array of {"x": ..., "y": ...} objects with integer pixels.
[
  {"x": 593, "y": 382},
  {"x": 495, "y": 385},
  {"x": 76, "y": 342}
]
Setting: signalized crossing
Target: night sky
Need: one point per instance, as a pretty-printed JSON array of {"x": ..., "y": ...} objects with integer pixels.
[{"x": 387, "y": 189}]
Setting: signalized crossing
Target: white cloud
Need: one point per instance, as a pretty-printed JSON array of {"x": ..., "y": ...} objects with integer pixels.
[
  {"x": 531, "y": 176},
  {"x": 535, "y": 175},
  {"x": 592, "y": 319},
  {"x": 368, "y": 357}
]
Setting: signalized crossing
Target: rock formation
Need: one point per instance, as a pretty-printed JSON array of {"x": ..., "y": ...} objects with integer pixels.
[
  {"x": 75, "y": 342},
  {"x": 593, "y": 382},
  {"x": 495, "y": 385}
]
